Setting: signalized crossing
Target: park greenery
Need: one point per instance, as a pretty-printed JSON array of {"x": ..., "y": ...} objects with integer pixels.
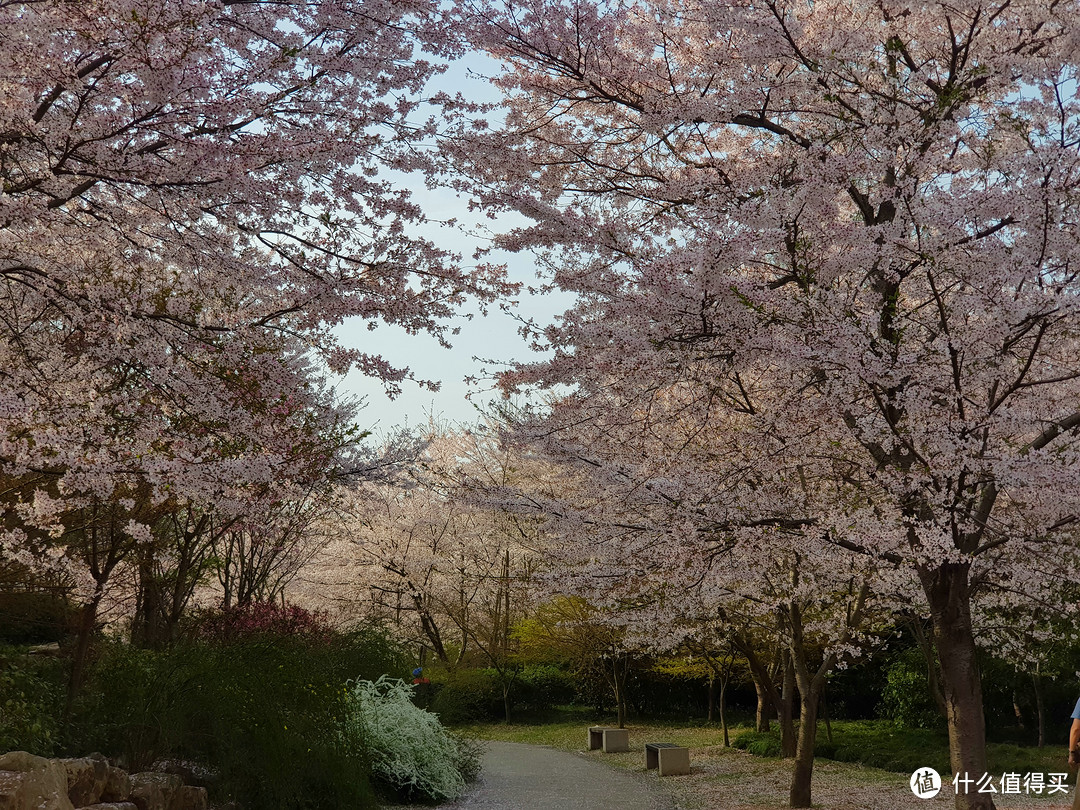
[{"x": 802, "y": 454}]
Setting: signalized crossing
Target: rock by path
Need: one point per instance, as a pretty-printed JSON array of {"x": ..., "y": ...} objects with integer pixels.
[{"x": 531, "y": 777}]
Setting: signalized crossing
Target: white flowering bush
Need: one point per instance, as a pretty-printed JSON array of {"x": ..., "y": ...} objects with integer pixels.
[{"x": 410, "y": 750}]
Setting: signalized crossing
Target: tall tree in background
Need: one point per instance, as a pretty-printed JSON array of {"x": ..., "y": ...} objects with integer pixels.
[{"x": 851, "y": 228}]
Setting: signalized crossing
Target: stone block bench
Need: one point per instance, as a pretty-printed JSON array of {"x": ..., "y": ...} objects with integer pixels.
[
  {"x": 670, "y": 759},
  {"x": 611, "y": 740}
]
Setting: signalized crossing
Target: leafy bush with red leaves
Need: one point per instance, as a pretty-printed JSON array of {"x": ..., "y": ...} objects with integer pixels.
[{"x": 264, "y": 619}]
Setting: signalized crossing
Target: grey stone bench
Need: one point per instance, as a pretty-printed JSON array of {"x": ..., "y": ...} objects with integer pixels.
[
  {"x": 670, "y": 759},
  {"x": 611, "y": 740}
]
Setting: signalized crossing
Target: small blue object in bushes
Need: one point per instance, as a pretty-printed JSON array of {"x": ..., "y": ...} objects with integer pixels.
[{"x": 416, "y": 673}]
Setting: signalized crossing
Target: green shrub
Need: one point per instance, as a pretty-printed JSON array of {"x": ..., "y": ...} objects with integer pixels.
[
  {"x": 411, "y": 753},
  {"x": 31, "y": 697},
  {"x": 466, "y": 696},
  {"x": 264, "y": 712},
  {"x": 906, "y": 698},
  {"x": 761, "y": 743},
  {"x": 541, "y": 687},
  {"x": 34, "y": 617},
  {"x": 880, "y": 744}
]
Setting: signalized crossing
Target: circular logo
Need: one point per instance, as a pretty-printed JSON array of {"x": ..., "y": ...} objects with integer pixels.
[{"x": 925, "y": 783}]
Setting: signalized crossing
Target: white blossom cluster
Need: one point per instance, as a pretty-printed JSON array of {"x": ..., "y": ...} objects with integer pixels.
[{"x": 410, "y": 750}]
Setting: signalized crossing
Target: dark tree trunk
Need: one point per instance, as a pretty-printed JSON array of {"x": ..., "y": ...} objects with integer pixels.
[
  {"x": 763, "y": 684},
  {"x": 723, "y": 714},
  {"x": 803, "y": 773},
  {"x": 1017, "y": 713},
  {"x": 825, "y": 715},
  {"x": 786, "y": 710},
  {"x": 933, "y": 678},
  {"x": 948, "y": 593},
  {"x": 763, "y": 706},
  {"x": 1036, "y": 681},
  {"x": 619, "y": 684},
  {"x": 87, "y": 625}
]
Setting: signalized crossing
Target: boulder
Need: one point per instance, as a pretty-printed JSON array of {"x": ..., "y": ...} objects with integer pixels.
[
  {"x": 193, "y": 773},
  {"x": 154, "y": 791},
  {"x": 117, "y": 785},
  {"x": 85, "y": 780},
  {"x": 11, "y": 790},
  {"x": 37, "y": 784},
  {"x": 190, "y": 797}
]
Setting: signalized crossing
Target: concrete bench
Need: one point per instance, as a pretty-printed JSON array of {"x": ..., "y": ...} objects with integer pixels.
[
  {"x": 611, "y": 740},
  {"x": 670, "y": 759}
]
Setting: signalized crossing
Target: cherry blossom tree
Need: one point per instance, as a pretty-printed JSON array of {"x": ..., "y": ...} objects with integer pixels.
[
  {"x": 191, "y": 202},
  {"x": 427, "y": 552},
  {"x": 851, "y": 229}
]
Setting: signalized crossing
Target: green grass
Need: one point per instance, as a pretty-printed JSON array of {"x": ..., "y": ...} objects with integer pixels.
[
  {"x": 566, "y": 729},
  {"x": 881, "y": 744},
  {"x": 875, "y": 743}
]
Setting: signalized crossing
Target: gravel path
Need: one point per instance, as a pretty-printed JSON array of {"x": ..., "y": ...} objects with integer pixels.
[{"x": 531, "y": 777}]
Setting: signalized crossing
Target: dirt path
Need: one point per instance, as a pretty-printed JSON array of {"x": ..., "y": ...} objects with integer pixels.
[{"x": 531, "y": 777}]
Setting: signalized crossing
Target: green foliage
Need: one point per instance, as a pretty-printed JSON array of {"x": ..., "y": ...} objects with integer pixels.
[
  {"x": 760, "y": 743},
  {"x": 265, "y": 712},
  {"x": 411, "y": 753},
  {"x": 466, "y": 695},
  {"x": 906, "y": 697},
  {"x": 30, "y": 702},
  {"x": 34, "y": 617},
  {"x": 542, "y": 687},
  {"x": 882, "y": 745}
]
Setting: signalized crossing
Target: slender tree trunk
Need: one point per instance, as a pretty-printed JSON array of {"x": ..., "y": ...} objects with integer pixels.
[
  {"x": 763, "y": 683},
  {"x": 1036, "y": 681},
  {"x": 723, "y": 714},
  {"x": 786, "y": 710},
  {"x": 619, "y": 680},
  {"x": 1019, "y": 715},
  {"x": 712, "y": 698},
  {"x": 933, "y": 679},
  {"x": 948, "y": 593},
  {"x": 825, "y": 715}
]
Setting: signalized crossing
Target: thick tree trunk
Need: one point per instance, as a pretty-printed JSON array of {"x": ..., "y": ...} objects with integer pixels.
[
  {"x": 799, "y": 795},
  {"x": 948, "y": 594},
  {"x": 763, "y": 705},
  {"x": 87, "y": 625}
]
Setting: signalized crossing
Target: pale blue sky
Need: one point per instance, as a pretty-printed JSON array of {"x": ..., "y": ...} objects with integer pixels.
[{"x": 490, "y": 337}]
